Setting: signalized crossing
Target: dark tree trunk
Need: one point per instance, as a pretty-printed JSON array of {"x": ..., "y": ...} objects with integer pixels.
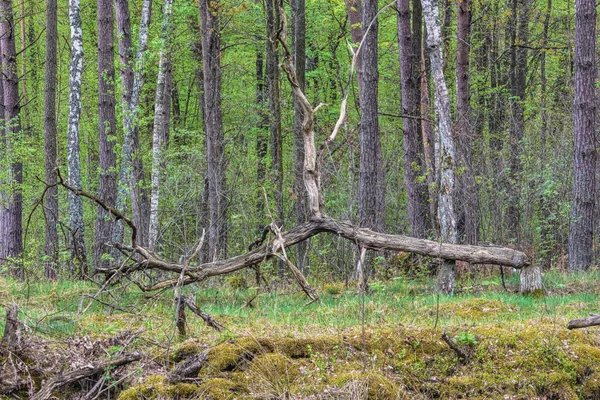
[
  {"x": 518, "y": 84},
  {"x": 581, "y": 234},
  {"x": 217, "y": 238},
  {"x": 262, "y": 141},
  {"x": 354, "y": 12},
  {"x": 300, "y": 66},
  {"x": 468, "y": 207},
  {"x": 107, "y": 186},
  {"x": 371, "y": 206},
  {"x": 410, "y": 72},
  {"x": 11, "y": 231},
  {"x": 51, "y": 162}
]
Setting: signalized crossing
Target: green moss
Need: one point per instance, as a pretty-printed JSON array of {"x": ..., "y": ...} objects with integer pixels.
[
  {"x": 370, "y": 386},
  {"x": 233, "y": 355},
  {"x": 220, "y": 389},
  {"x": 303, "y": 348},
  {"x": 186, "y": 349},
  {"x": 333, "y": 288},
  {"x": 156, "y": 387},
  {"x": 274, "y": 374}
]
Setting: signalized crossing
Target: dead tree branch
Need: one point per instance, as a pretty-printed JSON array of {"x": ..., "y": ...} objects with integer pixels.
[{"x": 592, "y": 320}]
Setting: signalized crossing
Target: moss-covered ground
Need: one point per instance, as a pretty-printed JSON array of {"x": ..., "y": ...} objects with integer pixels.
[{"x": 277, "y": 346}]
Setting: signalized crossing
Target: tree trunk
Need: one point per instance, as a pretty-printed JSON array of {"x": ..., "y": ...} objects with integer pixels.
[
  {"x": 446, "y": 168},
  {"x": 161, "y": 122},
  {"x": 78, "y": 249},
  {"x": 354, "y": 12},
  {"x": 371, "y": 203},
  {"x": 410, "y": 72},
  {"x": 300, "y": 66},
  {"x": 468, "y": 209},
  {"x": 11, "y": 231},
  {"x": 51, "y": 161},
  {"x": 531, "y": 280},
  {"x": 262, "y": 141},
  {"x": 518, "y": 85},
  {"x": 210, "y": 26},
  {"x": 107, "y": 186},
  {"x": 581, "y": 233}
]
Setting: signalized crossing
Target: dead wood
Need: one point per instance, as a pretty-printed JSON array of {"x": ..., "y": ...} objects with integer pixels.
[
  {"x": 70, "y": 377},
  {"x": 11, "y": 338},
  {"x": 592, "y": 320},
  {"x": 210, "y": 321},
  {"x": 458, "y": 350},
  {"x": 188, "y": 368}
]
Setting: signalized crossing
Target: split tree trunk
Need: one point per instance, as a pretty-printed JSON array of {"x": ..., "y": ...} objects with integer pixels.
[
  {"x": 446, "y": 217},
  {"x": 581, "y": 233},
  {"x": 51, "y": 161},
  {"x": 161, "y": 122},
  {"x": 78, "y": 249},
  {"x": 11, "y": 231}
]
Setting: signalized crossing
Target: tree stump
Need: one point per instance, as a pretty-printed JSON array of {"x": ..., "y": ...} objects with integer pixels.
[{"x": 531, "y": 280}]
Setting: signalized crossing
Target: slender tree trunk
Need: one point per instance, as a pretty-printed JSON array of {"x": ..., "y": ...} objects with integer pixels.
[
  {"x": 300, "y": 66},
  {"x": 427, "y": 127},
  {"x": 161, "y": 122},
  {"x": 446, "y": 216},
  {"x": 78, "y": 249},
  {"x": 518, "y": 84},
  {"x": 11, "y": 231},
  {"x": 371, "y": 203},
  {"x": 107, "y": 187},
  {"x": 210, "y": 27},
  {"x": 468, "y": 210},
  {"x": 131, "y": 172},
  {"x": 23, "y": 53},
  {"x": 354, "y": 12},
  {"x": 262, "y": 141},
  {"x": 581, "y": 233},
  {"x": 51, "y": 162},
  {"x": 410, "y": 72}
]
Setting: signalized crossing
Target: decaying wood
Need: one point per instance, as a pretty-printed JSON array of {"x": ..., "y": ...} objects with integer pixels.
[
  {"x": 210, "y": 321},
  {"x": 592, "y": 320},
  {"x": 188, "y": 368},
  {"x": 64, "y": 379},
  {"x": 12, "y": 331},
  {"x": 458, "y": 350}
]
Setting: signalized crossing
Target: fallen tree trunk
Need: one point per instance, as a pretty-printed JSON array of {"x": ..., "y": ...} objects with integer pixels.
[
  {"x": 592, "y": 320},
  {"x": 61, "y": 380}
]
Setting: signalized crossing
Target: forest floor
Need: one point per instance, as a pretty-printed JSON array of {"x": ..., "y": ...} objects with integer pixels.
[{"x": 278, "y": 346}]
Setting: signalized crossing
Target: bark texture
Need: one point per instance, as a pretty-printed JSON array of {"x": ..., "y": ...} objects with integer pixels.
[
  {"x": 11, "y": 231},
  {"x": 213, "y": 117},
  {"x": 354, "y": 12},
  {"x": 107, "y": 183},
  {"x": 51, "y": 161},
  {"x": 447, "y": 155},
  {"x": 161, "y": 122},
  {"x": 371, "y": 203},
  {"x": 410, "y": 73},
  {"x": 581, "y": 234},
  {"x": 78, "y": 249}
]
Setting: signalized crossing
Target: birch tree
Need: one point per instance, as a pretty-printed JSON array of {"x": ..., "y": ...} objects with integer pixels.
[
  {"x": 77, "y": 229},
  {"x": 160, "y": 122},
  {"x": 447, "y": 272}
]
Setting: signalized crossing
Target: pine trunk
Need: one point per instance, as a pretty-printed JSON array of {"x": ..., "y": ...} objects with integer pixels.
[{"x": 581, "y": 234}]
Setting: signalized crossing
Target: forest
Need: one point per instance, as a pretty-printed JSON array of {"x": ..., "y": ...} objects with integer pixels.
[{"x": 292, "y": 199}]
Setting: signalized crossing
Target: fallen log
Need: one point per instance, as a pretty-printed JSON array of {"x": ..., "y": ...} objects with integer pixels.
[
  {"x": 188, "y": 368},
  {"x": 592, "y": 320},
  {"x": 64, "y": 379}
]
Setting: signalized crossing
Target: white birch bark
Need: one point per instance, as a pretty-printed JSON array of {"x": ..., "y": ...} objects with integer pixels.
[
  {"x": 447, "y": 155},
  {"x": 78, "y": 251},
  {"x": 130, "y": 110},
  {"x": 159, "y": 116}
]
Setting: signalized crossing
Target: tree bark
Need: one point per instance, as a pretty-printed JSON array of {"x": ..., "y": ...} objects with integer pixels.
[
  {"x": 300, "y": 66},
  {"x": 107, "y": 186},
  {"x": 371, "y": 201},
  {"x": 468, "y": 208},
  {"x": 354, "y": 12},
  {"x": 161, "y": 122},
  {"x": 210, "y": 27},
  {"x": 531, "y": 280},
  {"x": 518, "y": 85},
  {"x": 11, "y": 231},
  {"x": 78, "y": 249},
  {"x": 51, "y": 161},
  {"x": 410, "y": 72},
  {"x": 581, "y": 232},
  {"x": 447, "y": 156},
  {"x": 262, "y": 142}
]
